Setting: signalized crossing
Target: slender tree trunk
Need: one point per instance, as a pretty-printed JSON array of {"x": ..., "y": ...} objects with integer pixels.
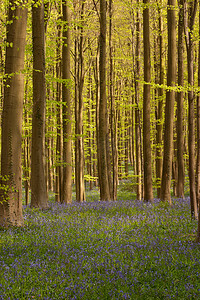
[
  {"x": 80, "y": 188},
  {"x": 189, "y": 24},
  {"x": 159, "y": 126},
  {"x": 11, "y": 135},
  {"x": 39, "y": 196},
  {"x": 67, "y": 152},
  {"x": 89, "y": 132},
  {"x": 59, "y": 177},
  {"x": 97, "y": 92},
  {"x": 138, "y": 143},
  {"x": 1, "y": 72},
  {"x": 126, "y": 139},
  {"x": 113, "y": 110},
  {"x": 148, "y": 189},
  {"x": 198, "y": 144},
  {"x": 198, "y": 132},
  {"x": 26, "y": 148},
  {"x": 104, "y": 182},
  {"x": 169, "y": 107},
  {"x": 180, "y": 136}
]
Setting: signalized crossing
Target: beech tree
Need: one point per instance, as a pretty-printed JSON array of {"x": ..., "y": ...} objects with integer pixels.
[
  {"x": 11, "y": 135},
  {"x": 159, "y": 108},
  {"x": 198, "y": 142},
  {"x": 102, "y": 148},
  {"x": 198, "y": 127},
  {"x": 190, "y": 8},
  {"x": 39, "y": 196},
  {"x": 66, "y": 88},
  {"x": 79, "y": 85},
  {"x": 148, "y": 188},
  {"x": 169, "y": 106},
  {"x": 59, "y": 173},
  {"x": 180, "y": 136},
  {"x": 113, "y": 121},
  {"x": 137, "y": 110}
]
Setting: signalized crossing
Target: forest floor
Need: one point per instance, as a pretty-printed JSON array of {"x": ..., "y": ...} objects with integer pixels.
[{"x": 96, "y": 250}]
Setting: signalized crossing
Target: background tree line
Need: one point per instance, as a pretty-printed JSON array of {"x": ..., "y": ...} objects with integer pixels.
[{"x": 98, "y": 91}]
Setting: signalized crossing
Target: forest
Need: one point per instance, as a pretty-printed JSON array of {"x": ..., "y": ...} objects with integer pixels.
[{"x": 100, "y": 148}]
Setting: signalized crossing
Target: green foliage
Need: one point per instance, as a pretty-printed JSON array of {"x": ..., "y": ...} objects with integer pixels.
[{"x": 5, "y": 188}]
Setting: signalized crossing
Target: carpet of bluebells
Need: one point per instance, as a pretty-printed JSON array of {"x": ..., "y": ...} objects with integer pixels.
[{"x": 97, "y": 250}]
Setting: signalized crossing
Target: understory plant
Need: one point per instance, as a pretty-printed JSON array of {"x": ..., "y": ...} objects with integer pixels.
[{"x": 102, "y": 250}]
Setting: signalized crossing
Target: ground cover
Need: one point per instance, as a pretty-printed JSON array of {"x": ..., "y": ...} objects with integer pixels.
[{"x": 97, "y": 250}]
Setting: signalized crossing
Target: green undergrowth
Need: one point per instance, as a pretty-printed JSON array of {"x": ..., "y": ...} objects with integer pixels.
[{"x": 97, "y": 250}]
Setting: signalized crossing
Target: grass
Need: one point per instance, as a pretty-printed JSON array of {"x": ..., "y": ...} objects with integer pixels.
[{"x": 98, "y": 250}]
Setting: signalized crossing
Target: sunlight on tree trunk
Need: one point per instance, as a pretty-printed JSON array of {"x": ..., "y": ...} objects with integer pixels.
[
  {"x": 39, "y": 196},
  {"x": 159, "y": 112},
  {"x": 66, "y": 88},
  {"x": 189, "y": 18},
  {"x": 180, "y": 135},
  {"x": 11, "y": 136},
  {"x": 148, "y": 189},
  {"x": 169, "y": 106},
  {"x": 104, "y": 183}
]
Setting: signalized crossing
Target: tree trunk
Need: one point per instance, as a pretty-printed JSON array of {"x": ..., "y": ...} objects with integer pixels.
[
  {"x": 198, "y": 145},
  {"x": 180, "y": 136},
  {"x": 11, "y": 172},
  {"x": 148, "y": 189},
  {"x": 67, "y": 153},
  {"x": 126, "y": 140},
  {"x": 198, "y": 132},
  {"x": 138, "y": 143},
  {"x": 159, "y": 126},
  {"x": 104, "y": 182},
  {"x": 169, "y": 107},
  {"x": 26, "y": 147},
  {"x": 59, "y": 177},
  {"x": 189, "y": 24},
  {"x": 39, "y": 196},
  {"x": 80, "y": 188}
]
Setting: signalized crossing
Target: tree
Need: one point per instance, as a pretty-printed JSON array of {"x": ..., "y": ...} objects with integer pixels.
[
  {"x": 198, "y": 128},
  {"x": 79, "y": 84},
  {"x": 104, "y": 183},
  {"x": 67, "y": 156},
  {"x": 113, "y": 121},
  {"x": 11, "y": 172},
  {"x": 39, "y": 196},
  {"x": 159, "y": 111},
  {"x": 148, "y": 189},
  {"x": 180, "y": 136},
  {"x": 198, "y": 143},
  {"x": 137, "y": 110},
  {"x": 190, "y": 9},
  {"x": 59, "y": 145},
  {"x": 169, "y": 106}
]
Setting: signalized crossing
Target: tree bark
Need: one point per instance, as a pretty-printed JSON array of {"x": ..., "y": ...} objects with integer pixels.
[
  {"x": 198, "y": 131},
  {"x": 148, "y": 189},
  {"x": 180, "y": 136},
  {"x": 39, "y": 196},
  {"x": 104, "y": 183},
  {"x": 11, "y": 172},
  {"x": 138, "y": 143},
  {"x": 59, "y": 147},
  {"x": 189, "y": 24},
  {"x": 67, "y": 152},
  {"x": 80, "y": 188},
  {"x": 159, "y": 124},
  {"x": 169, "y": 107}
]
